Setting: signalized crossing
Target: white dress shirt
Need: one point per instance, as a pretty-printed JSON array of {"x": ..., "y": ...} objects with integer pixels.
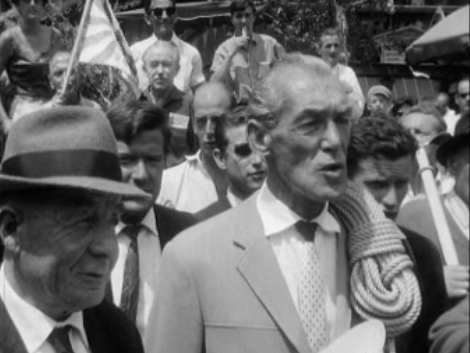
[
  {"x": 459, "y": 211},
  {"x": 34, "y": 327},
  {"x": 150, "y": 254},
  {"x": 279, "y": 227},
  {"x": 190, "y": 74},
  {"x": 188, "y": 186},
  {"x": 451, "y": 118},
  {"x": 347, "y": 76}
]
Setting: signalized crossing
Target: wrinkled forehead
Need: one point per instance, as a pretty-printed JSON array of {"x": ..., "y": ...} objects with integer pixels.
[{"x": 211, "y": 102}]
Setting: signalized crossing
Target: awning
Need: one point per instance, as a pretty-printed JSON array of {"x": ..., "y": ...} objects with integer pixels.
[
  {"x": 187, "y": 11},
  {"x": 450, "y": 36}
]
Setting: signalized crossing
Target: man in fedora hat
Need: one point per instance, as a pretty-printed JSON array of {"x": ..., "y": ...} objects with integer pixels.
[
  {"x": 453, "y": 154},
  {"x": 60, "y": 192}
]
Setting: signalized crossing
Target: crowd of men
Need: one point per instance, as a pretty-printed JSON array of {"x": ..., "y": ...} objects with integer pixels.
[{"x": 271, "y": 209}]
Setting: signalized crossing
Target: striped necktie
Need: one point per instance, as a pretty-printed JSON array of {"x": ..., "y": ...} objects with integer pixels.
[
  {"x": 131, "y": 280},
  {"x": 60, "y": 340},
  {"x": 312, "y": 290}
]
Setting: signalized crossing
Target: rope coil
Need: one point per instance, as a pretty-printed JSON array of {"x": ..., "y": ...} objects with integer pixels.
[{"x": 383, "y": 284}]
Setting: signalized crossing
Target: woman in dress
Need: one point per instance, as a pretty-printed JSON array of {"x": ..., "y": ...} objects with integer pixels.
[{"x": 25, "y": 51}]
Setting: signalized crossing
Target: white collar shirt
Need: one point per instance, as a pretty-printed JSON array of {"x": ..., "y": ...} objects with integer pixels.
[
  {"x": 279, "y": 227},
  {"x": 349, "y": 78},
  {"x": 458, "y": 210},
  {"x": 190, "y": 74},
  {"x": 188, "y": 186},
  {"x": 150, "y": 254},
  {"x": 34, "y": 327}
]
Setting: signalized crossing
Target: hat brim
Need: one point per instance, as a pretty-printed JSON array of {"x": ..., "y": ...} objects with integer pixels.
[
  {"x": 448, "y": 146},
  {"x": 97, "y": 185}
]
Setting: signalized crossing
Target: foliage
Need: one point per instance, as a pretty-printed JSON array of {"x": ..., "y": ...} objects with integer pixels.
[{"x": 298, "y": 24}]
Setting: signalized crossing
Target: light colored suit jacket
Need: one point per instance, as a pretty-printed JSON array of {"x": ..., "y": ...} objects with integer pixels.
[{"x": 223, "y": 291}]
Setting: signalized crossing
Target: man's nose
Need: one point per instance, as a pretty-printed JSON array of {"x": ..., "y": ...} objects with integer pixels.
[
  {"x": 165, "y": 15},
  {"x": 105, "y": 243},
  {"x": 140, "y": 170},
  {"x": 331, "y": 137},
  {"x": 390, "y": 200},
  {"x": 32, "y": 2},
  {"x": 257, "y": 159},
  {"x": 210, "y": 126}
]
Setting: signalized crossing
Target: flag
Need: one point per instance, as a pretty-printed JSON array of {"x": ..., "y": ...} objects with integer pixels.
[{"x": 103, "y": 43}]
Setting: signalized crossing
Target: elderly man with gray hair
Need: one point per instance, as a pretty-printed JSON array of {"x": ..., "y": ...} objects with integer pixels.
[
  {"x": 161, "y": 64},
  {"x": 302, "y": 260}
]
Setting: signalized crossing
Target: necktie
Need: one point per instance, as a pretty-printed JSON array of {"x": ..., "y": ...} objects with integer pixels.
[
  {"x": 60, "y": 340},
  {"x": 312, "y": 290},
  {"x": 130, "y": 284}
]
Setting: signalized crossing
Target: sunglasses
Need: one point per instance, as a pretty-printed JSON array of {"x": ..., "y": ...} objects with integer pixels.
[
  {"x": 242, "y": 150},
  {"x": 158, "y": 11}
]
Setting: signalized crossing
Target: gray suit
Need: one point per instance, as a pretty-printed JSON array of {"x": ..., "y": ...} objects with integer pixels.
[{"x": 222, "y": 288}]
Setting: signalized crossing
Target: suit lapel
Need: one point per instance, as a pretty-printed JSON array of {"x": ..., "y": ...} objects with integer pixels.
[
  {"x": 10, "y": 340},
  {"x": 259, "y": 267}
]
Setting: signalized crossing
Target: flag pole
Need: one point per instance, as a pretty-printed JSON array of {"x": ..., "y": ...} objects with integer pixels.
[{"x": 77, "y": 45}]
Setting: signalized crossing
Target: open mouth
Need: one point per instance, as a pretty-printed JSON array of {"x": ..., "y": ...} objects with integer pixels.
[{"x": 333, "y": 168}]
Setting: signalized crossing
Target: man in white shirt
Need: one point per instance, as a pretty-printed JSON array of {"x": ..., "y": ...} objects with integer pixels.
[
  {"x": 462, "y": 98},
  {"x": 60, "y": 195},
  {"x": 330, "y": 50},
  {"x": 162, "y": 16},
  {"x": 449, "y": 115},
  {"x": 198, "y": 182},
  {"x": 270, "y": 275},
  {"x": 246, "y": 169},
  {"x": 142, "y": 136}
]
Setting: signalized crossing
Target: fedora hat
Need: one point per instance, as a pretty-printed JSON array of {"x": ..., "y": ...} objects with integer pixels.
[
  {"x": 66, "y": 147},
  {"x": 454, "y": 143}
]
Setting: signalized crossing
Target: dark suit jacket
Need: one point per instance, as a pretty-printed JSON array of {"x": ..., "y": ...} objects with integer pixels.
[
  {"x": 171, "y": 222},
  {"x": 221, "y": 205},
  {"x": 108, "y": 331},
  {"x": 429, "y": 271}
]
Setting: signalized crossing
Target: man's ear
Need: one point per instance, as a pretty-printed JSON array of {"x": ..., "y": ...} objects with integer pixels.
[
  {"x": 219, "y": 158},
  {"x": 148, "y": 19},
  {"x": 10, "y": 219},
  {"x": 258, "y": 137}
]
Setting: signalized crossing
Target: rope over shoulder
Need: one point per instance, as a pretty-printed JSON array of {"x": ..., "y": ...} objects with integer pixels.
[{"x": 383, "y": 284}]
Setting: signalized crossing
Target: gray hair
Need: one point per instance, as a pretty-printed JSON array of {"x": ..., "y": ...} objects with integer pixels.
[
  {"x": 158, "y": 45},
  {"x": 269, "y": 97}
]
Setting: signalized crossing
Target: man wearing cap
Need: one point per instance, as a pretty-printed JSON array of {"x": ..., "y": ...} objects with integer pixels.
[
  {"x": 161, "y": 65},
  {"x": 162, "y": 16},
  {"x": 416, "y": 215},
  {"x": 379, "y": 101},
  {"x": 244, "y": 59},
  {"x": 60, "y": 194},
  {"x": 145, "y": 228}
]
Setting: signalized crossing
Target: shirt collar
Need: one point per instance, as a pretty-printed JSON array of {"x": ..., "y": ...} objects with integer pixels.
[
  {"x": 149, "y": 222},
  {"x": 277, "y": 217},
  {"x": 32, "y": 324}
]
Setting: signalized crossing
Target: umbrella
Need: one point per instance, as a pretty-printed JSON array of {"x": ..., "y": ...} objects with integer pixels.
[
  {"x": 188, "y": 11},
  {"x": 448, "y": 37}
]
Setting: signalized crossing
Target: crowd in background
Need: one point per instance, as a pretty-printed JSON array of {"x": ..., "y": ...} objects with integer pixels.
[{"x": 254, "y": 155}]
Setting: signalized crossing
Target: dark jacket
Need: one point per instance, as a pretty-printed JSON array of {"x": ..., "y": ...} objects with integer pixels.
[
  {"x": 171, "y": 222},
  {"x": 429, "y": 271},
  {"x": 108, "y": 330}
]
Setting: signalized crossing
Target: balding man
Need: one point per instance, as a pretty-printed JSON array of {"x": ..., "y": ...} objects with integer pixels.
[
  {"x": 199, "y": 182},
  {"x": 57, "y": 70},
  {"x": 161, "y": 65},
  {"x": 271, "y": 275}
]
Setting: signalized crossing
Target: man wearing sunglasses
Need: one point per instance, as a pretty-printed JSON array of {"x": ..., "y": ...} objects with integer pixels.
[
  {"x": 244, "y": 59},
  {"x": 162, "y": 16},
  {"x": 246, "y": 169},
  {"x": 462, "y": 99}
]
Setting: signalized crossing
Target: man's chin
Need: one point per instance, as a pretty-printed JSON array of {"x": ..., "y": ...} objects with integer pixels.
[{"x": 136, "y": 210}]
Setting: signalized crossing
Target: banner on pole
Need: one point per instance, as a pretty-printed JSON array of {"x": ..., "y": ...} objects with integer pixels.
[{"x": 104, "y": 43}]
